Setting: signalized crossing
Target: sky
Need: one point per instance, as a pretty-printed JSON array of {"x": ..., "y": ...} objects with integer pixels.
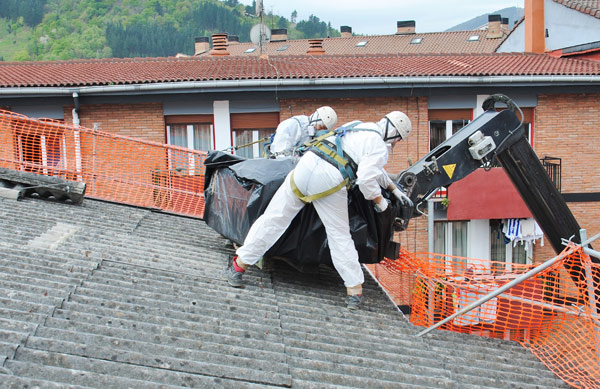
[{"x": 379, "y": 17}]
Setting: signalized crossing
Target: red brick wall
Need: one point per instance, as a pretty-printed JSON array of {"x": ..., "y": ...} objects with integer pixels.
[
  {"x": 144, "y": 120},
  {"x": 567, "y": 127},
  {"x": 372, "y": 110}
]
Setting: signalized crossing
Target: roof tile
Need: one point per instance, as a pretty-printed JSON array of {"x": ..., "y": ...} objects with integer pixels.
[
  {"x": 589, "y": 7},
  {"x": 438, "y": 42},
  {"x": 164, "y": 70}
]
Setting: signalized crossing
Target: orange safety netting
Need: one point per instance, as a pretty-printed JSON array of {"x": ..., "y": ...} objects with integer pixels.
[
  {"x": 115, "y": 168},
  {"x": 553, "y": 314}
]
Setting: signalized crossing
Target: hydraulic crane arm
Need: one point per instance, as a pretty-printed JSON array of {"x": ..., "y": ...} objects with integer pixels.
[{"x": 494, "y": 136}]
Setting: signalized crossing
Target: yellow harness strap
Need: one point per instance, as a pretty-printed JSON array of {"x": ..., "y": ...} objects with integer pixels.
[
  {"x": 332, "y": 154},
  {"x": 311, "y": 198}
]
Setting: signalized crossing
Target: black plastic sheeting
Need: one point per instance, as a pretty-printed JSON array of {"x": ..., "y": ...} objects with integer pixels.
[{"x": 238, "y": 191}]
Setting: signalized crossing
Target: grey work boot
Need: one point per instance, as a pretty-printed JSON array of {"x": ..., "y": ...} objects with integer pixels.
[
  {"x": 354, "y": 302},
  {"x": 234, "y": 274}
]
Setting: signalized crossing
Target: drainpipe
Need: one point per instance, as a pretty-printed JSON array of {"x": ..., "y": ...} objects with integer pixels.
[
  {"x": 76, "y": 136},
  {"x": 76, "y": 120}
]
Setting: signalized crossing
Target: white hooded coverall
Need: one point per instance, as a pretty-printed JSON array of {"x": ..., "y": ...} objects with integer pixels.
[
  {"x": 291, "y": 133},
  {"x": 314, "y": 175}
]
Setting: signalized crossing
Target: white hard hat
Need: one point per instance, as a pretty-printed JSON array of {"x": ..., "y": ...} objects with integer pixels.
[
  {"x": 326, "y": 115},
  {"x": 397, "y": 126}
]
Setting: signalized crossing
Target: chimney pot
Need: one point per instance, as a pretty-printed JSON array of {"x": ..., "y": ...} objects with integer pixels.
[
  {"x": 346, "y": 31},
  {"x": 405, "y": 27},
  {"x": 219, "y": 45},
  {"x": 315, "y": 47},
  {"x": 494, "y": 30},
  {"x": 201, "y": 45},
  {"x": 279, "y": 35}
]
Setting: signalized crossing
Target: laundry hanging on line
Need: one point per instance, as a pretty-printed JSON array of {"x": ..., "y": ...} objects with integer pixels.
[{"x": 525, "y": 231}]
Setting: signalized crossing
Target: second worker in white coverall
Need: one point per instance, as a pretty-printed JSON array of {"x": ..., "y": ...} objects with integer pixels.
[
  {"x": 295, "y": 131},
  {"x": 315, "y": 179}
]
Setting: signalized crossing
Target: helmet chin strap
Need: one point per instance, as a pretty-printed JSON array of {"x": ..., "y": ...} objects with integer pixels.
[
  {"x": 388, "y": 122},
  {"x": 387, "y": 126},
  {"x": 314, "y": 120}
]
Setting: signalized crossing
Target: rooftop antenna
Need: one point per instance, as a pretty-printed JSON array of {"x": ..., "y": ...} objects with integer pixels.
[{"x": 260, "y": 33}]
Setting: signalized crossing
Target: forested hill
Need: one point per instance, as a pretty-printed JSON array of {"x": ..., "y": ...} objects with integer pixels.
[{"x": 34, "y": 30}]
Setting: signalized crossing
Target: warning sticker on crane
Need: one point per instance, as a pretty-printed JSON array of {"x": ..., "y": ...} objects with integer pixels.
[{"x": 449, "y": 169}]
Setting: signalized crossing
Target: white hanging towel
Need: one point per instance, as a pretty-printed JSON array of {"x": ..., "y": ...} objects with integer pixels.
[{"x": 512, "y": 229}]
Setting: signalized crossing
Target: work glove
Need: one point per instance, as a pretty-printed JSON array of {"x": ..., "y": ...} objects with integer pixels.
[
  {"x": 404, "y": 199},
  {"x": 382, "y": 206}
]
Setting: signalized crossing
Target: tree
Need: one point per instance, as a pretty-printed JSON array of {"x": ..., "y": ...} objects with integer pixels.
[
  {"x": 313, "y": 27},
  {"x": 294, "y": 16},
  {"x": 282, "y": 23},
  {"x": 251, "y": 9}
]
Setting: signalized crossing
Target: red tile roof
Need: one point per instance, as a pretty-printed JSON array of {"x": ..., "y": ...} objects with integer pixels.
[
  {"x": 589, "y": 7},
  {"x": 430, "y": 43},
  {"x": 163, "y": 70}
]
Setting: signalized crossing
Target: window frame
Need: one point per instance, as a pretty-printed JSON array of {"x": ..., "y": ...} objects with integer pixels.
[
  {"x": 449, "y": 116},
  {"x": 189, "y": 121},
  {"x": 38, "y": 160},
  {"x": 260, "y": 123}
]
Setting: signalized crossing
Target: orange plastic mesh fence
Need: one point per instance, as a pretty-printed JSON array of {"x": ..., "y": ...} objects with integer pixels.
[
  {"x": 114, "y": 167},
  {"x": 553, "y": 314}
]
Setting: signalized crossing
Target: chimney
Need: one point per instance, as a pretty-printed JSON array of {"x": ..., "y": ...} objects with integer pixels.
[
  {"x": 405, "y": 27},
  {"x": 315, "y": 47},
  {"x": 504, "y": 25},
  {"x": 279, "y": 35},
  {"x": 233, "y": 40},
  {"x": 346, "y": 31},
  {"x": 219, "y": 45},
  {"x": 201, "y": 45},
  {"x": 535, "y": 29},
  {"x": 494, "y": 31}
]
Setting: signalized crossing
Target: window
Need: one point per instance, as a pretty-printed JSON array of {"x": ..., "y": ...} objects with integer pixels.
[
  {"x": 250, "y": 50},
  {"x": 193, "y": 132},
  {"x": 473, "y": 38},
  {"x": 41, "y": 152},
  {"x": 361, "y": 44},
  {"x": 192, "y": 136},
  {"x": 503, "y": 251},
  {"x": 443, "y": 123},
  {"x": 416, "y": 41},
  {"x": 251, "y": 142},
  {"x": 250, "y": 130},
  {"x": 450, "y": 238},
  {"x": 528, "y": 123},
  {"x": 283, "y": 48}
]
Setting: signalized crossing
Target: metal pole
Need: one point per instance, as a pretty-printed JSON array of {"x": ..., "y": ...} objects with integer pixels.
[
  {"x": 430, "y": 225},
  {"x": 590, "y": 280},
  {"x": 505, "y": 287},
  {"x": 588, "y": 272}
]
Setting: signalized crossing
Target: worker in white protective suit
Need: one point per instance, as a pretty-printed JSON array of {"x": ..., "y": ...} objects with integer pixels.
[
  {"x": 297, "y": 130},
  {"x": 317, "y": 180}
]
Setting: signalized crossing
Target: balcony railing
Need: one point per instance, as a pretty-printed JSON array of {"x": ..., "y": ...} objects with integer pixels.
[{"x": 553, "y": 167}]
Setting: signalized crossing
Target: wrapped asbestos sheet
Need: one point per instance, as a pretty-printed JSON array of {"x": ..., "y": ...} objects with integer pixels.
[{"x": 237, "y": 191}]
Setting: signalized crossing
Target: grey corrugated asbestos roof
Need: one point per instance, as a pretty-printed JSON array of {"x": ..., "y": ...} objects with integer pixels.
[{"x": 134, "y": 298}]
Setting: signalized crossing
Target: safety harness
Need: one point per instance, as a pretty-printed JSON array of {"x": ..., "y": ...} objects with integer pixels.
[{"x": 335, "y": 155}]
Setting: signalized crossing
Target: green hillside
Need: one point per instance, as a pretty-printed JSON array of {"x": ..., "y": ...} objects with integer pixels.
[{"x": 35, "y": 30}]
